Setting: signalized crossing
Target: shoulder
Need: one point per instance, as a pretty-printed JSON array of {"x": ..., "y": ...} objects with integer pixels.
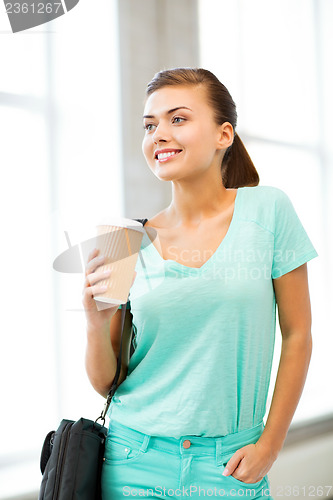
[
  {"x": 158, "y": 221},
  {"x": 264, "y": 193},
  {"x": 263, "y": 205},
  {"x": 269, "y": 198}
]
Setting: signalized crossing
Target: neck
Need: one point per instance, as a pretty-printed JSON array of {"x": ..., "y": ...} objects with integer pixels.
[{"x": 197, "y": 199}]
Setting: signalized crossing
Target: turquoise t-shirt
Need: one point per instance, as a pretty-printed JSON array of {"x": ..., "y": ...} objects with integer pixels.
[{"x": 204, "y": 337}]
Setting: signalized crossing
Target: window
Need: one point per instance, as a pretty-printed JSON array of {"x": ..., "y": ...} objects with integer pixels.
[{"x": 60, "y": 156}]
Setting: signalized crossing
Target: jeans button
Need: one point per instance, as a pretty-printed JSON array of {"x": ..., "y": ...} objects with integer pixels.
[{"x": 186, "y": 443}]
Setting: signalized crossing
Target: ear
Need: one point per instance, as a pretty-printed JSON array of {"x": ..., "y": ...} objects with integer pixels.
[{"x": 225, "y": 135}]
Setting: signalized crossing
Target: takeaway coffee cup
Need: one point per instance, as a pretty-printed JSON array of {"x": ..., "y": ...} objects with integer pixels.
[{"x": 119, "y": 240}]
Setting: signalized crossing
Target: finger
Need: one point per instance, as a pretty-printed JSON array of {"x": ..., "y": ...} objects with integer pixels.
[
  {"x": 94, "y": 264},
  {"x": 91, "y": 291},
  {"x": 232, "y": 464},
  {"x": 93, "y": 253},
  {"x": 93, "y": 278}
]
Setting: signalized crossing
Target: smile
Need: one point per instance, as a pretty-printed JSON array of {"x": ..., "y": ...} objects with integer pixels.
[{"x": 166, "y": 155}]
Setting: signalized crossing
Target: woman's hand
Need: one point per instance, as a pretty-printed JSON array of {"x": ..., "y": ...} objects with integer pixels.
[
  {"x": 250, "y": 463},
  {"x": 96, "y": 319}
]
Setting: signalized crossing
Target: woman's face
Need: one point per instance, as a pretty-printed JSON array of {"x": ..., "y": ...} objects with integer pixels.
[{"x": 181, "y": 138}]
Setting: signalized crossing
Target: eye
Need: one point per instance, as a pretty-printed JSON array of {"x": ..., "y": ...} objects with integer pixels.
[
  {"x": 177, "y": 119},
  {"x": 148, "y": 127}
]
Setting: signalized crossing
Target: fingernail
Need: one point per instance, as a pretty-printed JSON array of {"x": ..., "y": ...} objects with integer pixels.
[{"x": 225, "y": 472}]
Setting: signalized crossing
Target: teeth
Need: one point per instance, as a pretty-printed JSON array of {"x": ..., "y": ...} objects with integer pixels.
[{"x": 162, "y": 156}]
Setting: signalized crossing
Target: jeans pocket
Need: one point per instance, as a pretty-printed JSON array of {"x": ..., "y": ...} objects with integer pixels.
[
  {"x": 121, "y": 450},
  {"x": 259, "y": 484}
]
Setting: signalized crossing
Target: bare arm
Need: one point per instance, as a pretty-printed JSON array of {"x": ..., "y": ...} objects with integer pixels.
[
  {"x": 103, "y": 330},
  {"x": 115, "y": 331},
  {"x": 102, "y": 352},
  {"x": 292, "y": 297}
]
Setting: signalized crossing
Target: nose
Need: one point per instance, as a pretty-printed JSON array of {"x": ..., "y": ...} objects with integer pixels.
[{"x": 160, "y": 134}]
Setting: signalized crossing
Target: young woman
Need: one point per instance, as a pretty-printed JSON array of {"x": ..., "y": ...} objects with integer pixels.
[{"x": 187, "y": 416}]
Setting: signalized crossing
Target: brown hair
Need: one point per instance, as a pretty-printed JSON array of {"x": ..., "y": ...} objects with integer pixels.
[{"x": 237, "y": 168}]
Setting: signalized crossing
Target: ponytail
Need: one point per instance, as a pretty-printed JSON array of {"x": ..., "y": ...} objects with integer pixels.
[{"x": 237, "y": 168}]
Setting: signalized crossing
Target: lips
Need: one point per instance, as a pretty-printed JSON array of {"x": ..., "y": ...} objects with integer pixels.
[{"x": 165, "y": 154}]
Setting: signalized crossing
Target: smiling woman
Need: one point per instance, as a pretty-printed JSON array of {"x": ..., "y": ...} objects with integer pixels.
[
  {"x": 189, "y": 413},
  {"x": 183, "y": 137},
  {"x": 204, "y": 106}
]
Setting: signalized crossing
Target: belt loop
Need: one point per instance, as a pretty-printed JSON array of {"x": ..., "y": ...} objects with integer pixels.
[
  {"x": 145, "y": 443},
  {"x": 219, "y": 451}
]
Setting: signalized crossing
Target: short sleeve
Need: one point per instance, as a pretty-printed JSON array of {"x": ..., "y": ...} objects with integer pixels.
[
  {"x": 292, "y": 246},
  {"x": 128, "y": 305}
]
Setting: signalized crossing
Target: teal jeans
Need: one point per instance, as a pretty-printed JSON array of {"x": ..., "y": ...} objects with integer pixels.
[{"x": 141, "y": 465}]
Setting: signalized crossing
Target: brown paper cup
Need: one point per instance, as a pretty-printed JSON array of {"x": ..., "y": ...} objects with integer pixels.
[{"x": 119, "y": 241}]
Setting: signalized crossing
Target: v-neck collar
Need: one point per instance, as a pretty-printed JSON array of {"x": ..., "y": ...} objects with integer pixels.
[{"x": 197, "y": 270}]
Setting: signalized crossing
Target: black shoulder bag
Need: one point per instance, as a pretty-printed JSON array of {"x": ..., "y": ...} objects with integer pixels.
[{"x": 72, "y": 456}]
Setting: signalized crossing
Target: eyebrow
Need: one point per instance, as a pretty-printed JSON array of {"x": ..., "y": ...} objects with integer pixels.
[{"x": 169, "y": 112}]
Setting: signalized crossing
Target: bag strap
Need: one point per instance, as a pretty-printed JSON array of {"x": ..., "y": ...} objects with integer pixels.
[{"x": 115, "y": 380}]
